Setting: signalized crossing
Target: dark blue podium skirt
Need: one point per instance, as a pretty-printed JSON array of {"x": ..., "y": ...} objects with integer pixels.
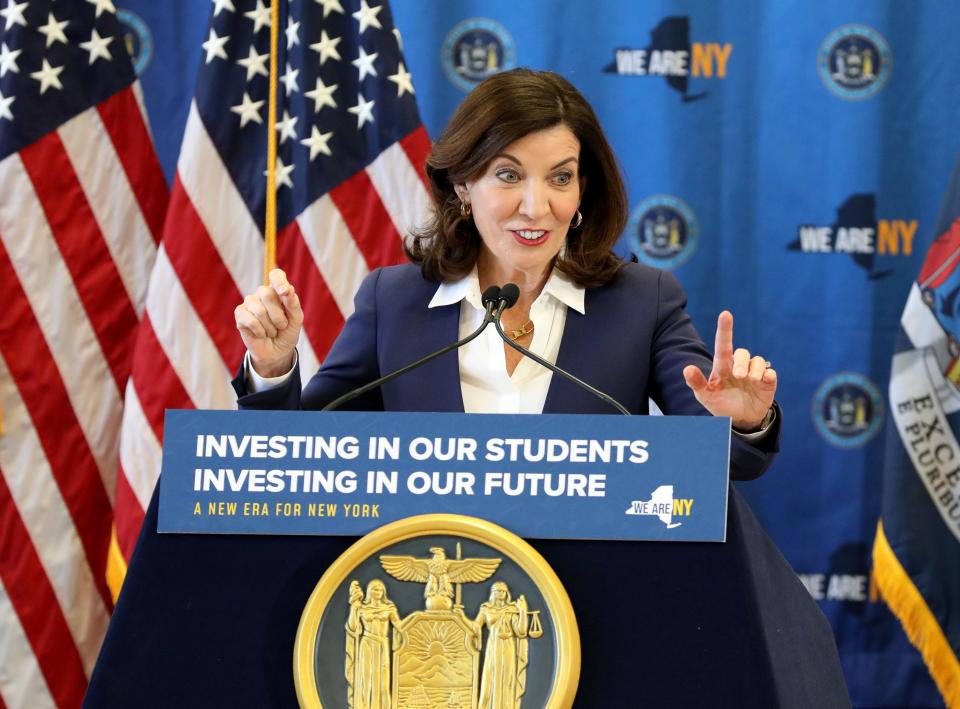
[{"x": 210, "y": 621}]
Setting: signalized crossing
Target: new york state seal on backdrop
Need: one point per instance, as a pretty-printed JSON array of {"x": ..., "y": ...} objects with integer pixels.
[{"x": 854, "y": 62}]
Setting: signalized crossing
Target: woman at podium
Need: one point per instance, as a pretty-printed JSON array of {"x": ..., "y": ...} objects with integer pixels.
[{"x": 525, "y": 190}]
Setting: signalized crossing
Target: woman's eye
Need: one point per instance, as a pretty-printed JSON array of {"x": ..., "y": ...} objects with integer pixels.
[
  {"x": 564, "y": 178},
  {"x": 508, "y": 175}
]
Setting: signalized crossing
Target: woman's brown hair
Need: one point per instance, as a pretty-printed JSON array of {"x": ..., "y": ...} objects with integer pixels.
[{"x": 501, "y": 110}]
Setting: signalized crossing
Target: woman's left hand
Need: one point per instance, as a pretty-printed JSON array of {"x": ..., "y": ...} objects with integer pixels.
[{"x": 739, "y": 386}]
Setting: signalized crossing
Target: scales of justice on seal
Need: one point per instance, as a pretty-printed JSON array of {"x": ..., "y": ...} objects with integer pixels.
[{"x": 482, "y": 601}]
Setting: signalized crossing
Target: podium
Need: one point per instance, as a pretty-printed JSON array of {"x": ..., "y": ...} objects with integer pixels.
[{"x": 210, "y": 620}]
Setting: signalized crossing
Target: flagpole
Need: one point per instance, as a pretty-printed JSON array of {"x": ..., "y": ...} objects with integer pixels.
[{"x": 270, "y": 225}]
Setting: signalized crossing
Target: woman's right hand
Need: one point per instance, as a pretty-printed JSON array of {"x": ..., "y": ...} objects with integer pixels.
[
  {"x": 269, "y": 322},
  {"x": 356, "y": 594}
]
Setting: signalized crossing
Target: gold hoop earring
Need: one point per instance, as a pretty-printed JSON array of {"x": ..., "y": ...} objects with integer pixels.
[
  {"x": 579, "y": 220},
  {"x": 464, "y": 210}
]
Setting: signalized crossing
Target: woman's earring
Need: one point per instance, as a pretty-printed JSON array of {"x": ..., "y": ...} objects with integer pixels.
[
  {"x": 464, "y": 209},
  {"x": 578, "y": 222}
]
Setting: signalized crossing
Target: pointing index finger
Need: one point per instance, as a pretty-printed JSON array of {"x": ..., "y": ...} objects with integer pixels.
[
  {"x": 723, "y": 346},
  {"x": 279, "y": 282},
  {"x": 288, "y": 295}
]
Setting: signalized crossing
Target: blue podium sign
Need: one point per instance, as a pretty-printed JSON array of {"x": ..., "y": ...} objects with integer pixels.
[{"x": 551, "y": 476}]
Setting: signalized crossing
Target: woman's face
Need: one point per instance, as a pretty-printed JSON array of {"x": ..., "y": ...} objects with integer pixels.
[{"x": 524, "y": 201}]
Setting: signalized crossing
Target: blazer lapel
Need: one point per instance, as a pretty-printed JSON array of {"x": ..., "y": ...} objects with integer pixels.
[
  {"x": 439, "y": 381},
  {"x": 574, "y": 357}
]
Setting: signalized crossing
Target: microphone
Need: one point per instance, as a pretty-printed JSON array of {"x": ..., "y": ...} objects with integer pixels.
[
  {"x": 509, "y": 295},
  {"x": 491, "y": 300},
  {"x": 491, "y": 296}
]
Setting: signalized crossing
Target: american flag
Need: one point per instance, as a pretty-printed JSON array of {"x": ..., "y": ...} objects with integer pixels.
[
  {"x": 349, "y": 184},
  {"x": 82, "y": 201}
]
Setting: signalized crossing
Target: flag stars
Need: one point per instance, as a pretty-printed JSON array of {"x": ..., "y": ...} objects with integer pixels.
[
  {"x": 103, "y": 5},
  {"x": 322, "y": 95},
  {"x": 8, "y": 59},
  {"x": 286, "y": 127},
  {"x": 260, "y": 16},
  {"x": 53, "y": 30},
  {"x": 317, "y": 142},
  {"x": 255, "y": 63},
  {"x": 220, "y": 5},
  {"x": 292, "y": 29},
  {"x": 248, "y": 110},
  {"x": 97, "y": 47},
  {"x": 364, "y": 63},
  {"x": 13, "y": 14},
  {"x": 48, "y": 76},
  {"x": 326, "y": 47},
  {"x": 363, "y": 111},
  {"x": 330, "y": 6},
  {"x": 367, "y": 16},
  {"x": 289, "y": 79},
  {"x": 283, "y": 173},
  {"x": 402, "y": 80},
  {"x": 5, "y": 107},
  {"x": 215, "y": 47}
]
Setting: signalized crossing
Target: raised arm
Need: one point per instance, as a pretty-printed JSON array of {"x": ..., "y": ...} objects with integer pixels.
[
  {"x": 269, "y": 321},
  {"x": 740, "y": 386}
]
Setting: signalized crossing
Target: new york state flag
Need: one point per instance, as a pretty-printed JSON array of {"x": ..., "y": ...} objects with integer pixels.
[{"x": 916, "y": 552}]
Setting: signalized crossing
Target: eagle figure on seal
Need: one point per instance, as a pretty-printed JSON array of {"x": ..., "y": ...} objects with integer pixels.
[{"x": 439, "y": 573}]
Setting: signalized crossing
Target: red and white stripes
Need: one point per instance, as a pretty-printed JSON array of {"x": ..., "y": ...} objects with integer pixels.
[
  {"x": 212, "y": 254},
  {"x": 83, "y": 388},
  {"x": 79, "y": 222}
]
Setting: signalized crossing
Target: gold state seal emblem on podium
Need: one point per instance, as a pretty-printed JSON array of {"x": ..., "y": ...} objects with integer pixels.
[{"x": 438, "y": 612}]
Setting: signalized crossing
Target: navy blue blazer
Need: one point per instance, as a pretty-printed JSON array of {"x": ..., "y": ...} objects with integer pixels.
[{"x": 632, "y": 343}]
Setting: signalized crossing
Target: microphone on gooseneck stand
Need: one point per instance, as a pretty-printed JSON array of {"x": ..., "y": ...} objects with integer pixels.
[
  {"x": 509, "y": 295},
  {"x": 491, "y": 301}
]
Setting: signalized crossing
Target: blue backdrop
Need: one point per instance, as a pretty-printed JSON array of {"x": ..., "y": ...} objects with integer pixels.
[{"x": 785, "y": 159}]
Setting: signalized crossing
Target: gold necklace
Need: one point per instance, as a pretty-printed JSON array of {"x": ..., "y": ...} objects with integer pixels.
[{"x": 524, "y": 330}]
